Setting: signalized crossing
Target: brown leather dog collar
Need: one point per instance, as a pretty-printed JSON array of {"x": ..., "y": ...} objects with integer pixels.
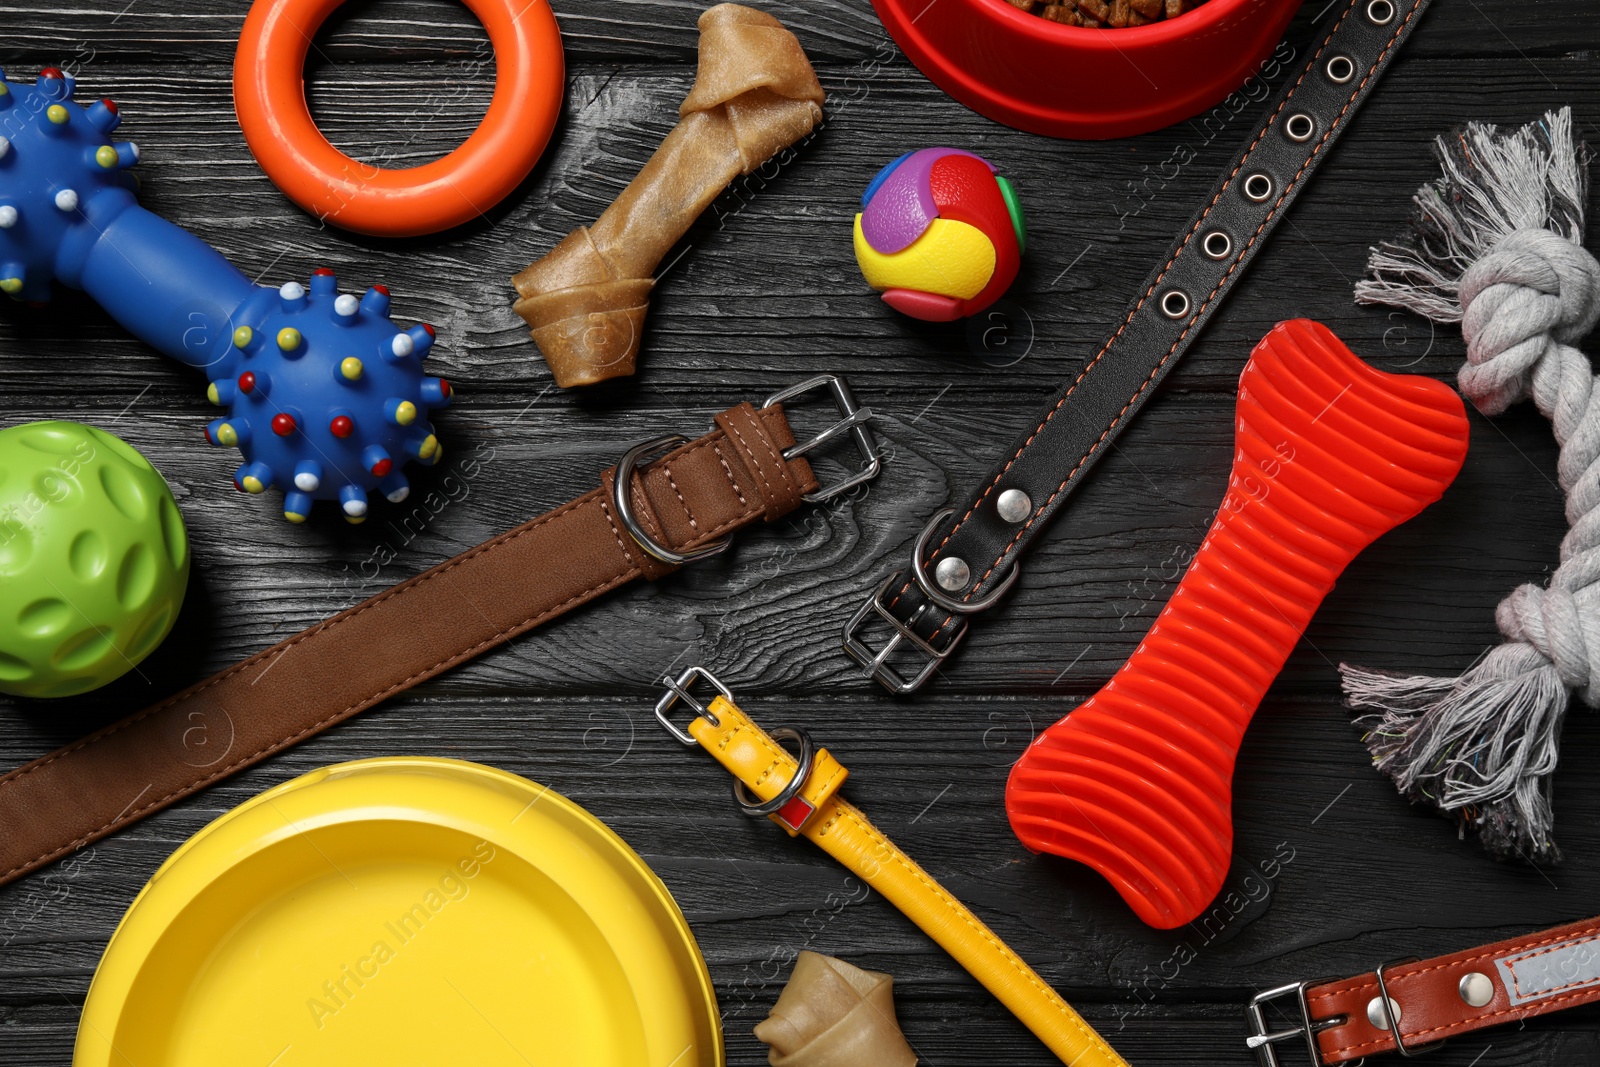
[
  {"x": 1341, "y": 1020},
  {"x": 681, "y": 506}
]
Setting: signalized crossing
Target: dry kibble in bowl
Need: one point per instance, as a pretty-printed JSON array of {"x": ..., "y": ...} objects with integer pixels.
[
  {"x": 1101, "y": 14},
  {"x": 1037, "y": 64}
]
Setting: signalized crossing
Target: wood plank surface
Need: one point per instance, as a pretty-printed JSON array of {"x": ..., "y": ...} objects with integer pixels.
[{"x": 764, "y": 291}]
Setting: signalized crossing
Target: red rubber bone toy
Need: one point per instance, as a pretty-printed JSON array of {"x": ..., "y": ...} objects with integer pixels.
[{"x": 1329, "y": 454}]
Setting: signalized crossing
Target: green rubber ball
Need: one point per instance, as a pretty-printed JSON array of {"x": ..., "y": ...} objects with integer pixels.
[{"x": 94, "y": 559}]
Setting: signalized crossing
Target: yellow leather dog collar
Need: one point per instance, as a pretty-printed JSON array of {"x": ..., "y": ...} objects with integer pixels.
[{"x": 801, "y": 795}]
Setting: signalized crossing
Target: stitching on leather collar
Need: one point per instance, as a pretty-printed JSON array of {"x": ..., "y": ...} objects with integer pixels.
[
  {"x": 1144, "y": 298},
  {"x": 132, "y": 815},
  {"x": 957, "y": 909},
  {"x": 1474, "y": 1023},
  {"x": 606, "y": 511},
  {"x": 665, "y": 469},
  {"x": 731, "y": 481}
]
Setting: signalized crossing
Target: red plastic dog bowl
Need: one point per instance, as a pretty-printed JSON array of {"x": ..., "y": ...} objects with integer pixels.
[{"x": 1067, "y": 81}]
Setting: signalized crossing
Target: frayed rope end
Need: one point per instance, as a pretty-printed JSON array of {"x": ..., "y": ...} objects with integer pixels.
[
  {"x": 1480, "y": 748},
  {"x": 1493, "y": 182}
]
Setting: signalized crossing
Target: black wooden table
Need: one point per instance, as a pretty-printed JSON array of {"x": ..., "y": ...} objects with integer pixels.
[{"x": 762, "y": 292}]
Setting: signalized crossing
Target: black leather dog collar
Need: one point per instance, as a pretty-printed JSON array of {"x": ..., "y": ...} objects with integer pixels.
[{"x": 968, "y": 566}]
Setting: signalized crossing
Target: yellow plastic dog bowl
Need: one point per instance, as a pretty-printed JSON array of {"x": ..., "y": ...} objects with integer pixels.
[{"x": 403, "y": 912}]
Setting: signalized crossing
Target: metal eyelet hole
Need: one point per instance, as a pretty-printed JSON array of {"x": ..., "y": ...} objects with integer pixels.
[
  {"x": 1299, "y": 127},
  {"x": 1340, "y": 69},
  {"x": 1216, "y": 245},
  {"x": 1380, "y": 12},
  {"x": 1258, "y": 187},
  {"x": 1175, "y": 303}
]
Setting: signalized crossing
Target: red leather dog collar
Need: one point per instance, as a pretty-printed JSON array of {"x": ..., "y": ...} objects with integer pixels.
[
  {"x": 1344, "y": 1020},
  {"x": 269, "y": 96}
]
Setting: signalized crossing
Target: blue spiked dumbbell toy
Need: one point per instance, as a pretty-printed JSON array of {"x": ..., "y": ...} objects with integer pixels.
[{"x": 326, "y": 397}]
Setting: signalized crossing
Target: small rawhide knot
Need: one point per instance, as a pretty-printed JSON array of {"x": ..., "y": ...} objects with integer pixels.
[
  {"x": 834, "y": 1014},
  {"x": 1531, "y": 293},
  {"x": 742, "y": 49}
]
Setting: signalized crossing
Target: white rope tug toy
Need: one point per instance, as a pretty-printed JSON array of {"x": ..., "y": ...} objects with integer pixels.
[{"x": 1497, "y": 245}]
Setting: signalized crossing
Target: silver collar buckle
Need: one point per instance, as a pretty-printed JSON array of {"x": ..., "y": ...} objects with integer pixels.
[
  {"x": 1264, "y": 1040},
  {"x": 854, "y": 422},
  {"x": 879, "y": 663},
  {"x": 779, "y": 806},
  {"x": 678, "y": 689}
]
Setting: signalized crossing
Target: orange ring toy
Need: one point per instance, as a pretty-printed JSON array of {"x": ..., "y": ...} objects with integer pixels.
[{"x": 269, "y": 96}]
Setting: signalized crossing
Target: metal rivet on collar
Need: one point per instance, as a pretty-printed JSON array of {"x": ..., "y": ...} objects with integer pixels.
[
  {"x": 1380, "y": 12},
  {"x": 1340, "y": 69},
  {"x": 1014, "y": 505},
  {"x": 1376, "y": 1016},
  {"x": 1216, "y": 245},
  {"x": 1258, "y": 186},
  {"x": 1477, "y": 989},
  {"x": 952, "y": 574},
  {"x": 1299, "y": 127},
  {"x": 1175, "y": 303}
]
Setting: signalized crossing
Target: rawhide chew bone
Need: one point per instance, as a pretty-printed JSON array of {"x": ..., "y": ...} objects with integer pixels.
[
  {"x": 326, "y": 397},
  {"x": 1329, "y": 453},
  {"x": 833, "y": 1014},
  {"x": 754, "y": 95}
]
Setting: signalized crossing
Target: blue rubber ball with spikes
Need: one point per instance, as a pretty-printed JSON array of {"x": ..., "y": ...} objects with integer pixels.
[
  {"x": 326, "y": 397},
  {"x": 56, "y": 159}
]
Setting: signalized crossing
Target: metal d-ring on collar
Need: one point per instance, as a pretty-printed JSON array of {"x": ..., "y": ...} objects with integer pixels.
[
  {"x": 919, "y": 553},
  {"x": 752, "y": 806},
  {"x": 679, "y": 689},
  {"x": 854, "y": 421},
  {"x": 623, "y": 482}
]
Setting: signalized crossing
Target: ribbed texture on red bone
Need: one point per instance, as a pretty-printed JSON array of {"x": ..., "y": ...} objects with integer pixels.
[{"x": 1329, "y": 454}]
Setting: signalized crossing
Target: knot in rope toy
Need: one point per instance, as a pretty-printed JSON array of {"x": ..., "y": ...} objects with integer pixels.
[
  {"x": 1497, "y": 246},
  {"x": 1524, "y": 305}
]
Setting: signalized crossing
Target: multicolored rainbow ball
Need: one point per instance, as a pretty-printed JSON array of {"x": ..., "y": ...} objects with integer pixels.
[{"x": 940, "y": 234}]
